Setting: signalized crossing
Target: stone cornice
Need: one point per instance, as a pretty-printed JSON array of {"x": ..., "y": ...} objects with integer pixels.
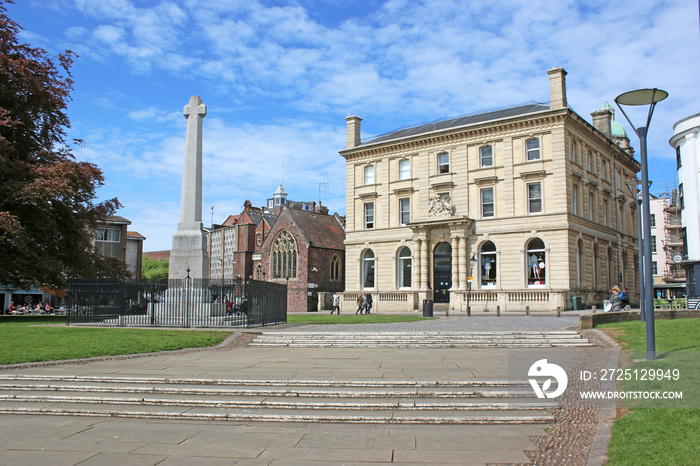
[{"x": 532, "y": 123}]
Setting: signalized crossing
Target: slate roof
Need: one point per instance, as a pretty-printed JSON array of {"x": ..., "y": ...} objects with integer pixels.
[
  {"x": 459, "y": 121},
  {"x": 322, "y": 231},
  {"x": 134, "y": 235},
  {"x": 257, "y": 217}
]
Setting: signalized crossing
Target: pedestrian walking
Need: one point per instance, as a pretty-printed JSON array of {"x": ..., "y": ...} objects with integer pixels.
[
  {"x": 368, "y": 308},
  {"x": 336, "y": 303},
  {"x": 359, "y": 305},
  {"x": 625, "y": 298}
]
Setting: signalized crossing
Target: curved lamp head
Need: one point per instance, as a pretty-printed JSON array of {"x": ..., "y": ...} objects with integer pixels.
[{"x": 641, "y": 97}]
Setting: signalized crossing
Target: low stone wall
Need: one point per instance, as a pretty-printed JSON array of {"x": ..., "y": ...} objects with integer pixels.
[{"x": 587, "y": 321}]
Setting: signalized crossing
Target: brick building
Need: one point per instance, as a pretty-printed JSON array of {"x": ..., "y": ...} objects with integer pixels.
[{"x": 305, "y": 250}]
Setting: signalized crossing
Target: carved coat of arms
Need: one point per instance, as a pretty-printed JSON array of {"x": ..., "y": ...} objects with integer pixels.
[{"x": 440, "y": 206}]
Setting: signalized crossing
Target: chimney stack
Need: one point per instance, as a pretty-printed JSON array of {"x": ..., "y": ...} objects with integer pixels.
[
  {"x": 353, "y": 131},
  {"x": 557, "y": 88},
  {"x": 602, "y": 120}
]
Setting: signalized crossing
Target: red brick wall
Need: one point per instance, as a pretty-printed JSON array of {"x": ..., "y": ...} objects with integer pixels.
[{"x": 298, "y": 299}]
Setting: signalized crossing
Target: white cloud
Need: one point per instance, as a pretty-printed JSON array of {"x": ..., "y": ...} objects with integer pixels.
[{"x": 282, "y": 79}]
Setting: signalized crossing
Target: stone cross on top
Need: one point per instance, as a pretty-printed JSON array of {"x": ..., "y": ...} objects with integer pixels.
[{"x": 191, "y": 201}]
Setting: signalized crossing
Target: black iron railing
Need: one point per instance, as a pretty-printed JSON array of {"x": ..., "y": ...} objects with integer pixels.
[{"x": 176, "y": 303}]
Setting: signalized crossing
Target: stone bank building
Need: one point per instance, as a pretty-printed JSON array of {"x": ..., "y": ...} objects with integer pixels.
[{"x": 528, "y": 205}]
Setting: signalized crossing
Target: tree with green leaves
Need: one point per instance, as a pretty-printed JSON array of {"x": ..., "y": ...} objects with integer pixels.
[
  {"x": 48, "y": 211},
  {"x": 154, "y": 269}
]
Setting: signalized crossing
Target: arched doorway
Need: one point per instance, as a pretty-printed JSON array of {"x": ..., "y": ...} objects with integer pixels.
[{"x": 442, "y": 272}]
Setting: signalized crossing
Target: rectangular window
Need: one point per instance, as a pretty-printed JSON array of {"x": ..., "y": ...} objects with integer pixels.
[
  {"x": 112, "y": 235},
  {"x": 533, "y": 149},
  {"x": 405, "y": 211},
  {"x": 603, "y": 169},
  {"x": 605, "y": 212},
  {"x": 369, "y": 215},
  {"x": 404, "y": 169},
  {"x": 591, "y": 207},
  {"x": 590, "y": 161},
  {"x": 487, "y": 209},
  {"x": 258, "y": 239},
  {"x": 444, "y": 163},
  {"x": 486, "y": 156},
  {"x": 681, "y": 196},
  {"x": 678, "y": 157},
  {"x": 534, "y": 198},
  {"x": 573, "y": 151},
  {"x": 369, "y": 174},
  {"x": 653, "y": 244},
  {"x": 574, "y": 199},
  {"x": 654, "y": 268},
  {"x": 652, "y": 220}
]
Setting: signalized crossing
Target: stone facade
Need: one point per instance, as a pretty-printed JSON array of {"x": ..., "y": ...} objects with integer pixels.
[{"x": 527, "y": 206}]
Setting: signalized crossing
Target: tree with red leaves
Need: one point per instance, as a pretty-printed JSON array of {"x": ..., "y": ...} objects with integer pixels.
[{"x": 48, "y": 213}]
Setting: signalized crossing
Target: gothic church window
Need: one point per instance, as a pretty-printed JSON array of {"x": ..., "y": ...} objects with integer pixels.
[
  {"x": 284, "y": 255},
  {"x": 335, "y": 268}
]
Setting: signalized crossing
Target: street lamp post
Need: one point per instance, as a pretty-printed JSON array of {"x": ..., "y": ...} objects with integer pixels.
[
  {"x": 632, "y": 185},
  {"x": 469, "y": 283},
  {"x": 648, "y": 97}
]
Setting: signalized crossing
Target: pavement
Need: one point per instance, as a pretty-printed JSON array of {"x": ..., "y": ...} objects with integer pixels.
[{"x": 72, "y": 440}]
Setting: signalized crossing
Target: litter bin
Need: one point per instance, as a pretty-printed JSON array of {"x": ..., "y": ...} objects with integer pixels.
[
  {"x": 428, "y": 307},
  {"x": 576, "y": 303}
]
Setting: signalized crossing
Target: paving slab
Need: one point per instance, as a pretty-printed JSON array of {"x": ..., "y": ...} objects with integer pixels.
[{"x": 119, "y": 441}]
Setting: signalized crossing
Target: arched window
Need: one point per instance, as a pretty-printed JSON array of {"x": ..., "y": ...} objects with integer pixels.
[
  {"x": 486, "y": 156},
  {"x": 404, "y": 267},
  {"x": 335, "y": 268},
  {"x": 368, "y": 269},
  {"x": 369, "y": 174},
  {"x": 404, "y": 169},
  {"x": 487, "y": 264},
  {"x": 532, "y": 149},
  {"x": 283, "y": 256},
  {"x": 536, "y": 263},
  {"x": 443, "y": 162}
]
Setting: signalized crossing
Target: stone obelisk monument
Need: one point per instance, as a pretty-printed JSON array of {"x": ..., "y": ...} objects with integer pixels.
[{"x": 189, "y": 242}]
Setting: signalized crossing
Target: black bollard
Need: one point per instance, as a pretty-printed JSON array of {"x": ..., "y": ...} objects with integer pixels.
[
  {"x": 498, "y": 311},
  {"x": 527, "y": 311}
]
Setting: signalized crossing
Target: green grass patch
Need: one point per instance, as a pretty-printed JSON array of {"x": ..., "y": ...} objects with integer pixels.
[
  {"x": 671, "y": 335},
  {"x": 27, "y": 339},
  {"x": 350, "y": 319},
  {"x": 659, "y": 435}
]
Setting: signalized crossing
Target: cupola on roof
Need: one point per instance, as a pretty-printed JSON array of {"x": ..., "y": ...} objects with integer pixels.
[{"x": 615, "y": 128}]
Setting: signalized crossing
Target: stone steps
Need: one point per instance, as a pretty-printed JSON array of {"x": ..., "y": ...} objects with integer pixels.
[
  {"x": 503, "y": 339},
  {"x": 378, "y": 401}
]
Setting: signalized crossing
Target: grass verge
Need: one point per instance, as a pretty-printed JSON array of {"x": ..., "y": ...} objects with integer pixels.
[
  {"x": 652, "y": 435},
  {"x": 28, "y": 339}
]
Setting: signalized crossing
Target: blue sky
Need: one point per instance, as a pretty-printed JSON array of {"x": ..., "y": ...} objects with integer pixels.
[{"x": 279, "y": 77}]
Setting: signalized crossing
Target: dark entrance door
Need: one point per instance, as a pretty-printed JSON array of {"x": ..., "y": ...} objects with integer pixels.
[{"x": 442, "y": 272}]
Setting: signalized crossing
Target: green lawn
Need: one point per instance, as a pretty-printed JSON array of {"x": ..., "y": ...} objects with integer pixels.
[
  {"x": 660, "y": 435},
  {"x": 27, "y": 339}
]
